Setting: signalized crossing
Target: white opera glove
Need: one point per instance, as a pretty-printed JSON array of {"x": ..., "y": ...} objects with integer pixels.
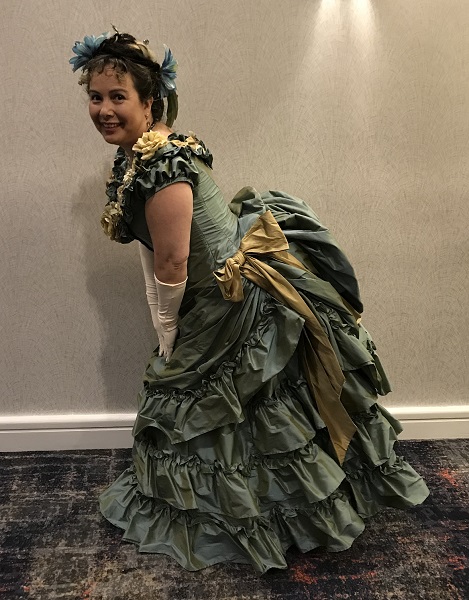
[
  {"x": 169, "y": 301},
  {"x": 146, "y": 256}
]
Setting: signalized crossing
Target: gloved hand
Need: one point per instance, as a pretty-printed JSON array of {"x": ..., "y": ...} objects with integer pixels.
[
  {"x": 167, "y": 339},
  {"x": 164, "y": 300},
  {"x": 169, "y": 301}
]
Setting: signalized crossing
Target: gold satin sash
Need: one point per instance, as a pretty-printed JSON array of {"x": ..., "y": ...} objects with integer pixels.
[{"x": 324, "y": 376}]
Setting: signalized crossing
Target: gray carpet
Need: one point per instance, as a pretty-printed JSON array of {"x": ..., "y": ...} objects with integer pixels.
[{"x": 55, "y": 544}]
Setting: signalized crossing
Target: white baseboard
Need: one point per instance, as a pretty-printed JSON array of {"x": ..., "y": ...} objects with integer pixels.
[
  {"x": 66, "y": 432},
  {"x": 98, "y": 431}
]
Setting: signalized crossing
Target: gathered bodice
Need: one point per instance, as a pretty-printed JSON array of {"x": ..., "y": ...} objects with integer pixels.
[{"x": 215, "y": 232}]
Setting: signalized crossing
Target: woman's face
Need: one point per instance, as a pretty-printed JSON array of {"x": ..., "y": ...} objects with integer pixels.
[{"x": 116, "y": 109}]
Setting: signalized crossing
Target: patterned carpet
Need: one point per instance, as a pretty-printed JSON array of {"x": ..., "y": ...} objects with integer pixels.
[{"x": 55, "y": 544}]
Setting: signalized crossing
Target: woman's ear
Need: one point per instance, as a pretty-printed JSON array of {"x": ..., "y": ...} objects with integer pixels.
[{"x": 148, "y": 104}]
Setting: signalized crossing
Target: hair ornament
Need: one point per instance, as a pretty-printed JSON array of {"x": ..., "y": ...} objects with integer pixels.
[
  {"x": 168, "y": 73},
  {"x": 86, "y": 49},
  {"x": 168, "y": 85}
]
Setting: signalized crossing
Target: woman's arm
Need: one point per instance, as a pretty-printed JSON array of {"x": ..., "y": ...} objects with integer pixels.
[
  {"x": 169, "y": 216},
  {"x": 146, "y": 257}
]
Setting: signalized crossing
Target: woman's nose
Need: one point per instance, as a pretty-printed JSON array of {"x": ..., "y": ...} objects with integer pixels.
[{"x": 106, "y": 108}]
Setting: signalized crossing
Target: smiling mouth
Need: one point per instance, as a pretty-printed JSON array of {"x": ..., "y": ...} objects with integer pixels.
[{"x": 110, "y": 125}]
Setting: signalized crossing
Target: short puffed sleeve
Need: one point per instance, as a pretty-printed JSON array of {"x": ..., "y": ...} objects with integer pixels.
[{"x": 170, "y": 164}]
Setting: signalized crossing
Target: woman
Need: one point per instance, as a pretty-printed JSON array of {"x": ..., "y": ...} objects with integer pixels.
[{"x": 258, "y": 425}]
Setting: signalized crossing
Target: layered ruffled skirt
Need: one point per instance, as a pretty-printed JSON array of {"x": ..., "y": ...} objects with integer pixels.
[{"x": 232, "y": 461}]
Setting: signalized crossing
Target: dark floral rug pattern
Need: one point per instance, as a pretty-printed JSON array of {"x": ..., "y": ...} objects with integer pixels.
[{"x": 54, "y": 544}]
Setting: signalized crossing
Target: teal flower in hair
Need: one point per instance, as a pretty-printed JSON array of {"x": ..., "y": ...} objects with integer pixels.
[
  {"x": 168, "y": 73},
  {"x": 86, "y": 49}
]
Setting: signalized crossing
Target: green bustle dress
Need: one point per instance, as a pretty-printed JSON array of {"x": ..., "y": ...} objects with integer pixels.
[{"x": 232, "y": 460}]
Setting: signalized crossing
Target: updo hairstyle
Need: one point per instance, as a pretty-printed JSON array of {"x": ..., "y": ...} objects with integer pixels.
[{"x": 123, "y": 53}]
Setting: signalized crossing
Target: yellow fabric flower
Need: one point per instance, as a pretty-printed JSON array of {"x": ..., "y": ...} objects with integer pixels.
[
  {"x": 193, "y": 141},
  {"x": 149, "y": 143},
  {"x": 126, "y": 180},
  {"x": 110, "y": 219},
  {"x": 179, "y": 143}
]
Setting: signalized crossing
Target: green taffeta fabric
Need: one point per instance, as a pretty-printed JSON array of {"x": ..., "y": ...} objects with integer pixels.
[{"x": 232, "y": 459}]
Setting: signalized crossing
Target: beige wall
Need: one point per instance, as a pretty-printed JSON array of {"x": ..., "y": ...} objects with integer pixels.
[{"x": 358, "y": 106}]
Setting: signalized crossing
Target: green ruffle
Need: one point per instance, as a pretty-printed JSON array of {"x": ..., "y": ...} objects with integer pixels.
[
  {"x": 224, "y": 365},
  {"x": 170, "y": 164},
  {"x": 196, "y": 540},
  {"x": 204, "y": 512},
  {"x": 238, "y": 490},
  {"x": 376, "y": 475}
]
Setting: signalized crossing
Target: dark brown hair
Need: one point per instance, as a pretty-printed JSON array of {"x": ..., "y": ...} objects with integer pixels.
[{"x": 124, "y": 54}]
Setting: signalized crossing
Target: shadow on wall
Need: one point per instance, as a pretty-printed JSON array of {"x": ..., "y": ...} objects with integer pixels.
[{"x": 119, "y": 325}]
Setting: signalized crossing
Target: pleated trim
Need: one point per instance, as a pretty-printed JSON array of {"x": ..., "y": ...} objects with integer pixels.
[
  {"x": 376, "y": 476},
  {"x": 393, "y": 483},
  {"x": 239, "y": 490},
  {"x": 280, "y": 424},
  {"x": 183, "y": 414},
  {"x": 201, "y": 514},
  {"x": 197, "y": 541}
]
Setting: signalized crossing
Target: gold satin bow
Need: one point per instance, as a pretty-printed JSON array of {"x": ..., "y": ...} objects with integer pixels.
[{"x": 325, "y": 379}]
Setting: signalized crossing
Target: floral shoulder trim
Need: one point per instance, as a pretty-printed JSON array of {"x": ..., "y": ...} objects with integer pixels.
[
  {"x": 113, "y": 219},
  {"x": 152, "y": 142}
]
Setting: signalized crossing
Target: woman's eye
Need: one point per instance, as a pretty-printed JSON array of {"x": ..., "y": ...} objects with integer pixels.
[
  {"x": 94, "y": 98},
  {"x": 119, "y": 97}
]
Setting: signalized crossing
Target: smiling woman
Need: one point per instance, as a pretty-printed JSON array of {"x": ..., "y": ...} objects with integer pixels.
[
  {"x": 116, "y": 108},
  {"x": 258, "y": 425}
]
